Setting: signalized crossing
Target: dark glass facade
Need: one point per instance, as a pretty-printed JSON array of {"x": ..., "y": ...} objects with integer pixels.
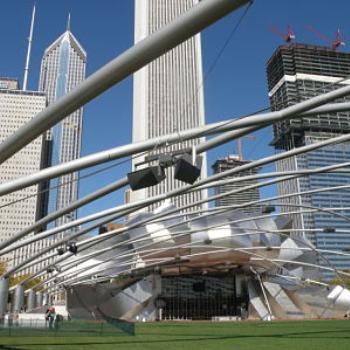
[
  {"x": 295, "y": 73},
  {"x": 200, "y": 297}
]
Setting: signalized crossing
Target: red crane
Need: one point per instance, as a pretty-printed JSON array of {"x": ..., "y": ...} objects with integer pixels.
[
  {"x": 287, "y": 37},
  {"x": 339, "y": 40},
  {"x": 334, "y": 44}
]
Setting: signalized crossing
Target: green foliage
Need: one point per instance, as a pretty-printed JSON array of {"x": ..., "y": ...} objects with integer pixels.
[
  {"x": 2, "y": 267},
  {"x": 344, "y": 281},
  {"x": 18, "y": 279}
]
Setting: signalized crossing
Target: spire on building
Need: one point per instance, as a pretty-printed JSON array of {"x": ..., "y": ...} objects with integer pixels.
[
  {"x": 68, "y": 22},
  {"x": 30, "y": 39}
]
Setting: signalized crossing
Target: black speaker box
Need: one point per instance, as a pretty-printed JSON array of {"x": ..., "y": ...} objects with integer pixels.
[
  {"x": 185, "y": 171},
  {"x": 146, "y": 177}
]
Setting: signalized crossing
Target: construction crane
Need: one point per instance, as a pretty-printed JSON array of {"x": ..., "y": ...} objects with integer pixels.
[
  {"x": 288, "y": 37},
  {"x": 335, "y": 43},
  {"x": 239, "y": 145}
]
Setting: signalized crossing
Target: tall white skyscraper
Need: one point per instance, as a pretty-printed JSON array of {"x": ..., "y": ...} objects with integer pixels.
[
  {"x": 168, "y": 93},
  {"x": 62, "y": 68},
  {"x": 17, "y": 107}
]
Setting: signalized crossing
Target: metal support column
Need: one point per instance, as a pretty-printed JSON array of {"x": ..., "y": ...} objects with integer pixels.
[
  {"x": 38, "y": 299},
  {"x": 45, "y": 299},
  {"x": 19, "y": 298},
  {"x": 269, "y": 318},
  {"x": 31, "y": 300},
  {"x": 4, "y": 291}
]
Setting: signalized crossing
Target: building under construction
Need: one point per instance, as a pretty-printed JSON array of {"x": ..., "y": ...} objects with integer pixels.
[{"x": 296, "y": 73}]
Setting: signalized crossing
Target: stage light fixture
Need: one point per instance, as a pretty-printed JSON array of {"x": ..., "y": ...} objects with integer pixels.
[
  {"x": 72, "y": 247},
  {"x": 329, "y": 229},
  {"x": 60, "y": 251},
  {"x": 268, "y": 209},
  {"x": 50, "y": 269}
]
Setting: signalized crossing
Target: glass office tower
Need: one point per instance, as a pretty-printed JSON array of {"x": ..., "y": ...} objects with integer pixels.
[
  {"x": 62, "y": 68},
  {"x": 295, "y": 73}
]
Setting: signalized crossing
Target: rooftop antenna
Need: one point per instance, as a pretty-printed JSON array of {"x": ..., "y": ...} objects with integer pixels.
[
  {"x": 68, "y": 22},
  {"x": 30, "y": 39}
]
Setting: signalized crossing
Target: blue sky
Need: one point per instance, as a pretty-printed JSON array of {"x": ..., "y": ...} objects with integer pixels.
[{"x": 235, "y": 87}]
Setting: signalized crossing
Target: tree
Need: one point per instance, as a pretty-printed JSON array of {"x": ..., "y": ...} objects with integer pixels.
[
  {"x": 18, "y": 279},
  {"x": 344, "y": 281},
  {"x": 3, "y": 267}
]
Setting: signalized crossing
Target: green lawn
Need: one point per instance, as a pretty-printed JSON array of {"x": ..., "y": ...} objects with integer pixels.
[{"x": 294, "y": 335}]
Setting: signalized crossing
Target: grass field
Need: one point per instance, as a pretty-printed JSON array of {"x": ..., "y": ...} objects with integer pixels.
[{"x": 294, "y": 335}]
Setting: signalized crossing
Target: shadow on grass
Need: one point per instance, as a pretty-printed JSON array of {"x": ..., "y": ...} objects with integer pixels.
[{"x": 193, "y": 338}]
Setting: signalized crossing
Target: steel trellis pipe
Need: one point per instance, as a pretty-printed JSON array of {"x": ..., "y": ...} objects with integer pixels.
[
  {"x": 120, "y": 183},
  {"x": 225, "y": 249},
  {"x": 226, "y": 208},
  {"x": 139, "y": 239},
  {"x": 210, "y": 199},
  {"x": 140, "y": 250},
  {"x": 187, "y": 188},
  {"x": 28, "y": 260},
  {"x": 250, "y": 204},
  {"x": 127, "y": 150},
  {"x": 83, "y": 247},
  {"x": 57, "y": 244},
  {"x": 74, "y": 205},
  {"x": 263, "y": 161},
  {"x": 118, "y": 209}
]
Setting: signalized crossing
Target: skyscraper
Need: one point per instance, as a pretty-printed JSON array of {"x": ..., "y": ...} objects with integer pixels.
[
  {"x": 168, "y": 93},
  {"x": 17, "y": 107},
  {"x": 62, "y": 68},
  {"x": 228, "y": 163},
  {"x": 295, "y": 73}
]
